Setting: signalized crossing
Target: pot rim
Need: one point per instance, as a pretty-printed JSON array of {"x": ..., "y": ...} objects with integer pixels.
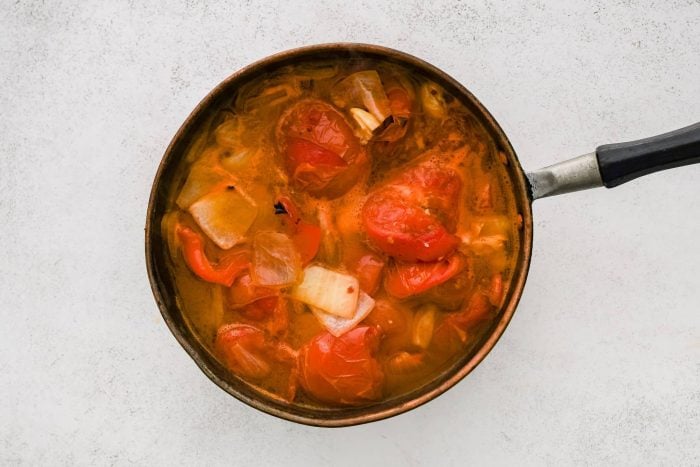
[{"x": 441, "y": 383}]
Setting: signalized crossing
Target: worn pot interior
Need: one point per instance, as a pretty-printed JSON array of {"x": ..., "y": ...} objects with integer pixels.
[{"x": 163, "y": 284}]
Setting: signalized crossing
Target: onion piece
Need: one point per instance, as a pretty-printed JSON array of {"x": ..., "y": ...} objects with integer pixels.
[
  {"x": 366, "y": 121},
  {"x": 238, "y": 159},
  {"x": 423, "y": 325},
  {"x": 204, "y": 176},
  {"x": 224, "y": 215},
  {"x": 337, "y": 325},
  {"x": 236, "y": 148},
  {"x": 365, "y": 89},
  {"x": 167, "y": 228},
  {"x": 276, "y": 261},
  {"x": 272, "y": 96},
  {"x": 317, "y": 72},
  {"x": 330, "y": 291},
  {"x": 431, "y": 96},
  {"x": 229, "y": 133}
]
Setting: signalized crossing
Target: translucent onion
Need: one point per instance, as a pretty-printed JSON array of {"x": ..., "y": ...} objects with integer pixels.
[
  {"x": 423, "y": 325},
  {"x": 366, "y": 122},
  {"x": 431, "y": 96},
  {"x": 204, "y": 176},
  {"x": 337, "y": 325},
  {"x": 224, "y": 215},
  {"x": 330, "y": 291},
  {"x": 276, "y": 261},
  {"x": 363, "y": 89}
]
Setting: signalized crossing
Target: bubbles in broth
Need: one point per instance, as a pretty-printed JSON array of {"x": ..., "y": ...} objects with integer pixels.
[{"x": 341, "y": 231}]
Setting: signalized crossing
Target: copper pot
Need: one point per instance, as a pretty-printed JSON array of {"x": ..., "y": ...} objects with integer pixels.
[{"x": 609, "y": 165}]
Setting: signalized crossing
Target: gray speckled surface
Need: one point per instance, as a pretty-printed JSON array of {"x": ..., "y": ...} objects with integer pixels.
[{"x": 601, "y": 364}]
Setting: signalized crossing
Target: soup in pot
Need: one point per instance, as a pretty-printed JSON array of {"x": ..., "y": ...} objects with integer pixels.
[{"x": 341, "y": 232}]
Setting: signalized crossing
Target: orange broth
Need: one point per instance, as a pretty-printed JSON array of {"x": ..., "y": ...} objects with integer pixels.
[{"x": 243, "y": 147}]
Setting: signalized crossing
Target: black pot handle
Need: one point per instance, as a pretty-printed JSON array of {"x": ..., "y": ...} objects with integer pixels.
[
  {"x": 622, "y": 162},
  {"x": 614, "y": 164}
]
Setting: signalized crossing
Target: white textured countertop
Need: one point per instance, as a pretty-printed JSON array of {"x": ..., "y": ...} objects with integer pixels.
[{"x": 601, "y": 364}]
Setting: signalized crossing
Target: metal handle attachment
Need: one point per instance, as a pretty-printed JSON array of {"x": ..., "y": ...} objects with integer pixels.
[
  {"x": 614, "y": 164},
  {"x": 580, "y": 173}
]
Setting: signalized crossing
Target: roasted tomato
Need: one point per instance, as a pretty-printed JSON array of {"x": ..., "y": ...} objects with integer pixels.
[
  {"x": 305, "y": 235},
  {"x": 342, "y": 370},
  {"x": 435, "y": 189},
  {"x": 261, "y": 304},
  {"x": 307, "y": 239},
  {"x": 450, "y": 295},
  {"x": 260, "y": 309},
  {"x": 390, "y": 318},
  {"x": 411, "y": 217},
  {"x": 404, "y": 230},
  {"x": 244, "y": 292},
  {"x": 279, "y": 318},
  {"x": 248, "y": 352},
  {"x": 453, "y": 332},
  {"x": 399, "y": 101},
  {"x": 404, "y": 280},
  {"x": 369, "y": 272},
  {"x": 322, "y": 154}
]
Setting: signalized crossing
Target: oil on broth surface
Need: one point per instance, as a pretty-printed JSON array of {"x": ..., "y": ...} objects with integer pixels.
[{"x": 371, "y": 174}]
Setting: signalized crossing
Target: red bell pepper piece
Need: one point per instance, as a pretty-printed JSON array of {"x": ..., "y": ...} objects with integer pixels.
[
  {"x": 224, "y": 272},
  {"x": 307, "y": 240},
  {"x": 404, "y": 280},
  {"x": 306, "y": 236}
]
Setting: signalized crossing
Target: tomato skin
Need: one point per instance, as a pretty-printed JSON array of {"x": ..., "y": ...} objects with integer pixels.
[
  {"x": 278, "y": 322},
  {"x": 260, "y": 309},
  {"x": 248, "y": 352},
  {"x": 390, "y": 318},
  {"x": 322, "y": 154},
  {"x": 244, "y": 292},
  {"x": 300, "y": 151},
  {"x": 399, "y": 101},
  {"x": 369, "y": 273},
  {"x": 322, "y": 124},
  {"x": 410, "y": 218},
  {"x": 451, "y": 294},
  {"x": 260, "y": 304},
  {"x": 342, "y": 370},
  {"x": 243, "y": 349},
  {"x": 433, "y": 188},
  {"x": 306, "y": 236},
  {"x": 270, "y": 312},
  {"x": 403, "y": 280},
  {"x": 453, "y": 332},
  {"x": 363, "y": 263},
  {"x": 311, "y": 166},
  {"x": 404, "y": 230},
  {"x": 477, "y": 310},
  {"x": 307, "y": 239}
]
